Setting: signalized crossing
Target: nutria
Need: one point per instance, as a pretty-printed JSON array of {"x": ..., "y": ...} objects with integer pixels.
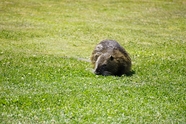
[{"x": 110, "y": 58}]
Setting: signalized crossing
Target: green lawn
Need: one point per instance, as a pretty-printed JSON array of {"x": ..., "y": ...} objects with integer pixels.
[{"x": 44, "y": 81}]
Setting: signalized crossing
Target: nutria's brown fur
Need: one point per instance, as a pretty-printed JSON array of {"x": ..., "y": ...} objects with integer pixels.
[{"x": 109, "y": 58}]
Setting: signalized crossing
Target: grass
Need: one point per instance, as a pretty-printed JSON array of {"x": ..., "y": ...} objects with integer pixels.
[{"x": 42, "y": 81}]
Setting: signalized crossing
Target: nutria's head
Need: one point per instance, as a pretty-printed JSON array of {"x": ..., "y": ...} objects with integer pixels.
[{"x": 106, "y": 65}]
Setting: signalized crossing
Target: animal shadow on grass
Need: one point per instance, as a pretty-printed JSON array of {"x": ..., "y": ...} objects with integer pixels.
[{"x": 131, "y": 73}]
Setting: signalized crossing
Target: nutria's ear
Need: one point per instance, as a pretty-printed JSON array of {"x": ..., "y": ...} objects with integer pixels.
[{"x": 111, "y": 57}]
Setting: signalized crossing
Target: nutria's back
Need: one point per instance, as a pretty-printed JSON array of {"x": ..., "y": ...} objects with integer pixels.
[{"x": 106, "y": 45}]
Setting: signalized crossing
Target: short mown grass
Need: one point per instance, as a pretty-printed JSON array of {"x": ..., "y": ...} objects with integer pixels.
[{"x": 44, "y": 78}]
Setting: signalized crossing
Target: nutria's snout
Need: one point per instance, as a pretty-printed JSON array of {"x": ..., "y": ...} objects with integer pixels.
[{"x": 97, "y": 73}]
